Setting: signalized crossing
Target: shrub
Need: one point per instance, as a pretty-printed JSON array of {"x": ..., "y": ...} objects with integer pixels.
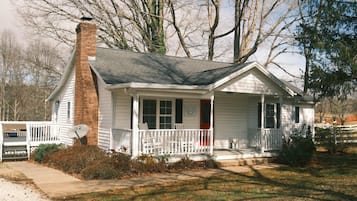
[
  {"x": 299, "y": 149},
  {"x": 184, "y": 163},
  {"x": 121, "y": 162},
  {"x": 75, "y": 158},
  {"x": 41, "y": 153},
  {"x": 148, "y": 164},
  {"x": 100, "y": 169}
]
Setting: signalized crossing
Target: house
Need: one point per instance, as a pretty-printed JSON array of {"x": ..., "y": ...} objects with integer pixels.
[{"x": 152, "y": 104}]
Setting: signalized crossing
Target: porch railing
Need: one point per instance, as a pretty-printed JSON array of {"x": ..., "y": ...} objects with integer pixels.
[
  {"x": 268, "y": 139},
  {"x": 42, "y": 132},
  {"x": 29, "y": 134},
  {"x": 174, "y": 141}
]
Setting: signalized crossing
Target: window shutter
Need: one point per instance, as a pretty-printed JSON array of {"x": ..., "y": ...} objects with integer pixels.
[
  {"x": 297, "y": 114},
  {"x": 259, "y": 115},
  {"x": 178, "y": 110},
  {"x": 278, "y": 118}
]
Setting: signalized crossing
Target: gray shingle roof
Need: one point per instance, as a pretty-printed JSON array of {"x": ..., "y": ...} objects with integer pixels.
[{"x": 121, "y": 66}]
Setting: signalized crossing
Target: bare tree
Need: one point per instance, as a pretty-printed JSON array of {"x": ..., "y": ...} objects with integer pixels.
[
  {"x": 45, "y": 66},
  {"x": 28, "y": 75},
  {"x": 191, "y": 28},
  {"x": 10, "y": 57},
  {"x": 125, "y": 24},
  {"x": 256, "y": 21}
]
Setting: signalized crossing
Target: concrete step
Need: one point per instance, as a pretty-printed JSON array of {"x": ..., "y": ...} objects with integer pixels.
[{"x": 244, "y": 162}]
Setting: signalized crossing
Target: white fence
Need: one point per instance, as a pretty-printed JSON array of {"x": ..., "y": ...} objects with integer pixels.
[
  {"x": 175, "y": 141},
  {"x": 346, "y": 134}
]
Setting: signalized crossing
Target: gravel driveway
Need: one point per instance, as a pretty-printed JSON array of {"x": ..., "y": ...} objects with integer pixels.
[{"x": 10, "y": 191}]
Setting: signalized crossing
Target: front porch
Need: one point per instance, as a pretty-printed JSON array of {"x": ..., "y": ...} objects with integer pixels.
[{"x": 194, "y": 142}]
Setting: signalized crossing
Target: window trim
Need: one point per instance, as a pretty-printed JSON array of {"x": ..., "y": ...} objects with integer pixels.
[
  {"x": 157, "y": 114},
  {"x": 277, "y": 111}
]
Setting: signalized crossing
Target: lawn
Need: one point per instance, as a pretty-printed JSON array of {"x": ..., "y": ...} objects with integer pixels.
[{"x": 329, "y": 177}]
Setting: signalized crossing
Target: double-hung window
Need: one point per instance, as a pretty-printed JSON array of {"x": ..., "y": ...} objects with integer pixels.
[
  {"x": 158, "y": 114},
  {"x": 271, "y": 115}
]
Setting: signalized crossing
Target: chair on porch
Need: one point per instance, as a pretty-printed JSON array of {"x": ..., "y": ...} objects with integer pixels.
[
  {"x": 150, "y": 143},
  {"x": 179, "y": 126},
  {"x": 143, "y": 126}
]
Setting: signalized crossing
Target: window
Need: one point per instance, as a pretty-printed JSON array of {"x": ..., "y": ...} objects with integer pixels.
[
  {"x": 271, "y": 115},
  {"x": 149, "y": 113},
  {"x": 68, "y": 110},
  {"x": 157, "y": 113},
  {"x": 165, "y": 114},
  {"x": 297, "y": 114}
]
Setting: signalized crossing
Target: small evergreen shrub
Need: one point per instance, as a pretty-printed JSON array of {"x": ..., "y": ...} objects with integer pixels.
[
  {"x": 41, "y": 153},
  {"x": 299, "y": 149}
]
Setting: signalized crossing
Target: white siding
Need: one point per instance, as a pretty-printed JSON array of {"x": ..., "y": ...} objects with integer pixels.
[
  {"x": 306, "y": 116},
  {"x": 65, "y": 96},
  {"x": 287, "y": 118},
  {"x": 105, "y": 116},
  {"x": 122, "y": 110},
  {"x": 191, "y": 113},
  {"x": 252, "y": 82},
  {"x": 231, "y": 114}
]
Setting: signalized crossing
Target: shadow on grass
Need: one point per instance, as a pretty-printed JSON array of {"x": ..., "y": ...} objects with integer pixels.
[{"x": 323, "y": 181}]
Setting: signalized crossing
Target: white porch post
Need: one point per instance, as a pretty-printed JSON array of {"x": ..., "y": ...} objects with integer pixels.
[
  {"x": 211, "y": 125},
  {"x": 135, "y": 130},
  {"x": 262, "y": 139},
  {"x": 28, "y": 139}
]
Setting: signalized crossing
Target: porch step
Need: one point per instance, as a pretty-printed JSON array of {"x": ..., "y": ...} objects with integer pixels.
[
  {"x": 244, "y": 162},
  {"x": 14, "y": 152}
]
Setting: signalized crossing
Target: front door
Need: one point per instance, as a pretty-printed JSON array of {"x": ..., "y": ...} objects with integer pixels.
[{"x": 205, "y": 120}]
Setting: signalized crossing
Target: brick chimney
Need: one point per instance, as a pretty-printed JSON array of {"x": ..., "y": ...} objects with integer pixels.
[{"x": 86, "y": 97}]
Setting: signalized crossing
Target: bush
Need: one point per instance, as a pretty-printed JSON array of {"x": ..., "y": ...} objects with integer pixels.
[
  {"x": 148, "y": 164},
  {"x": 41, "y": 153},
  {"x": 75, "y": 158},
  {"x": 100, "y": 169},
  {"x": 121, "y": 162},
  {"x": 93, "y": 163},
  {"x": 299, "y": 149}
]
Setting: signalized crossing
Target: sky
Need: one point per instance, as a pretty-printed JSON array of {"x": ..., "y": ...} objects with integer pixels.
[{"x": 11, "y": 21}]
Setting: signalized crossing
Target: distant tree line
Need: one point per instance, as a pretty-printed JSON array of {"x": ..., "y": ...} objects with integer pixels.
[{"x": 28, "y": 74}]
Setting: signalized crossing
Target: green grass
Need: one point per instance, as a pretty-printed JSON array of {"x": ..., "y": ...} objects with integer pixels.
[{"x": 330, "y": 177}]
